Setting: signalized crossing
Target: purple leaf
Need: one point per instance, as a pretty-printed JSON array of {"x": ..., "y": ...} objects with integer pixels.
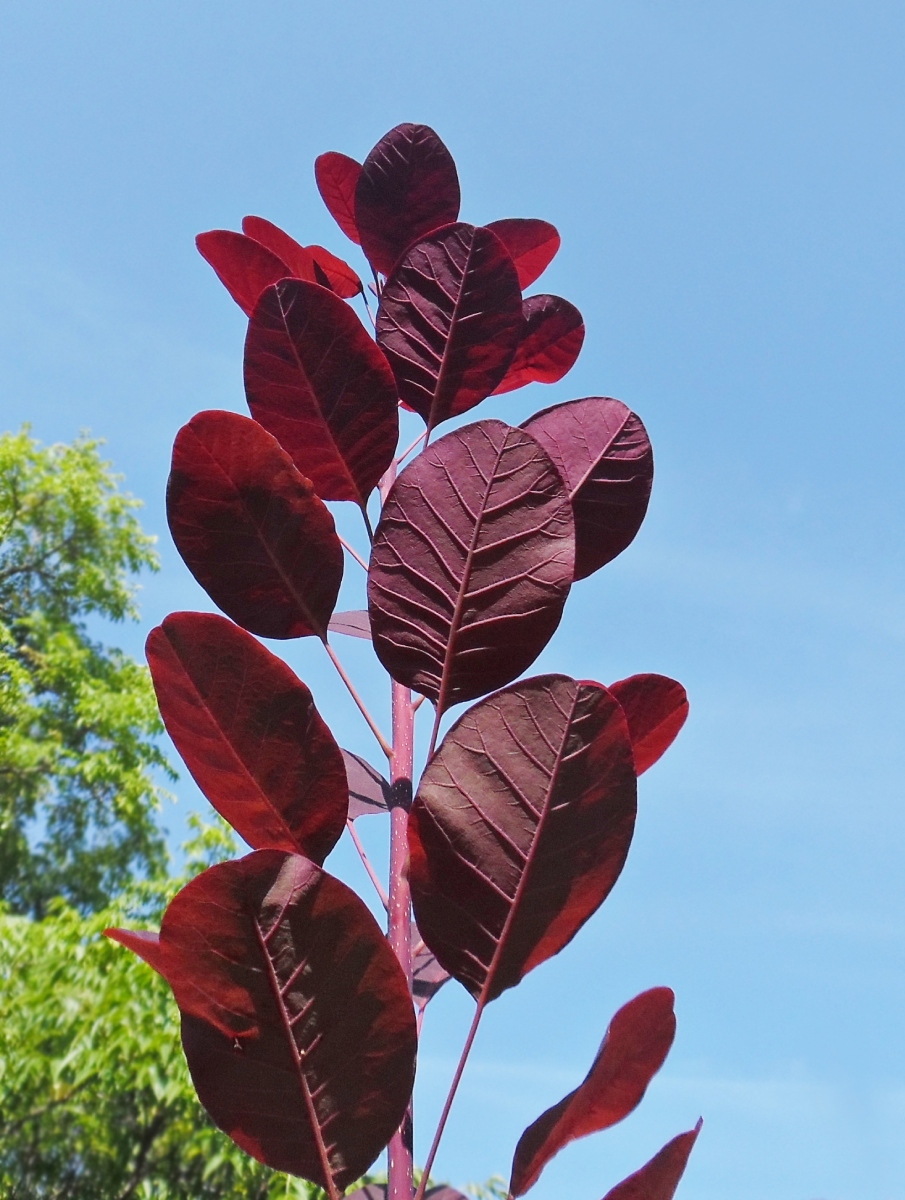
[
  {"x": 407, "y": 187},
  {"x": 369, "y": 792},
  {"x": 450, "y": 319},
  {"x": 471, "y": 563},
  {"x": 520, "y": 828},
  {"x": 604, "y": 454},
  {"x": 531, "y": 243},
  {"x": 297, "y": 1022},
  {"x": 249, "y": 733},
  {"x": 427, "y": 974},
  {"x": 658, "y": 1179},
  {"x": 250, "y": 528},
  {"x": 634, "y": 1049},
  {"x": 339, "y": 275},
  {"x": 278, "y": 242},
  {"x": 552, "y": 341},
  {"x": 353, "y": 624},
  {"x": 337, "y": 176},
  {"x": 656, "y": 708},
  {"x": 319, "y": 384},
  {"x": 243, "y": 265}
]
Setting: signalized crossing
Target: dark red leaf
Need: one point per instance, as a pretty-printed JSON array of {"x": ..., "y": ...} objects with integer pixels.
[
  {"x": 552, "y": 341},
  {"x": 340, "y": 276},
  {"x": 655, "y": 708},
  {"x": 322, "y": 387},
  {"x": 531, "y": 243},
  {"x": 427, "y": 974},
  {"x": 471, "y": 563},
  {"x": 605, "y": 456},
  {"x": 520, "y": 828},
  {"x": 295, "y": 256},
  {"x": 378, "y": 1191},
  {"x": 143, "y": 942},
  {"x": 297, "y": 1023},
  {"x": 243, "y": 265},
  {"x": 248, "y": 731},
  {"x": 337, "y": 176},
  {"x": 450, "y": 319},
  {"x": 634, "y": 1049},
  {"x": 658, "y": 1179},
  {"x": 369, "y": 792},
  {"x": 353, "y": 624},
  {"x": 250, "y": 528},
  {"x": 407, "y": 187}
]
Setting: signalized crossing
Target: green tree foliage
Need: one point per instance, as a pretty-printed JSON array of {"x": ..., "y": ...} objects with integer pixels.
[
  {"x": 78, "y": 720},
  {"x": 95, "y": 1098}
]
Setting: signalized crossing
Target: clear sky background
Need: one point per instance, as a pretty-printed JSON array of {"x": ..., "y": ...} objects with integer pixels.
[{"x": 728, "y": 181}]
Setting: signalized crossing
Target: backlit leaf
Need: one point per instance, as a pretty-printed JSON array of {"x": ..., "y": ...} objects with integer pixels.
[
  {"x": 531, "y": 243},
  {"x": 659, "y": 1178},
  {"x": 605, "y": 456},
  {"x": 354, "y": 623},
  {"x": 337, "y": 176},
  {"x": 294, "y": 255},
  {"x": 369, "y": 792},
  {"x": 471, "y": 563},
  {"x": 251, "y": 529},
  {"x": 340, "y": 276},
  {"x": 297, "y": 1023},
  {"x": 634, "y": 1049},
  {"x": 243, "y": 265},
  {"x": 520, "y": 828},
  {"x": 655, "y": 708},
  {"x": 247, "y": 729},
  {"x": 322, "y": 387},
  {"x": 450, "y": 319},
  {"x": 551, "y": 342},
  {"x": 407, "y": 187},
  {"x": 427, "y": 974}
]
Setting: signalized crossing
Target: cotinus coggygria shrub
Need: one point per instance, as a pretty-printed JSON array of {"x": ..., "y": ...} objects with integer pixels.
[{"x": 300, "y": 1016}]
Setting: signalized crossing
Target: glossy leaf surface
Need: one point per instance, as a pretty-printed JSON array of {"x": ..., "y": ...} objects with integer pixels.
[
  {"x": 369, "y": 792},
  {"x": 339, "y": 275},
  {"x": 634, "y": 1049},
  {"x": 520, "y": 828},
  {"x": 552, "y": 341},
  {"x": 294, "y": 255},
  {"x": 247, "y": 729},
  {"x": 407, "y": 187},
  {"x": 297, "y": 1023},
  {"x": 450, "y": 319},
  {"x": 243, "y": 265},
  {"x": 659, "y": 1178},
  {"x": 354, "y": 623},
  {"x": 320, "y": 385},
  {"x": 337, "y": 176},
  {"x": 656, "y": 708},
  {"x": 605, "y": 456},
  {"x": 471, "y": 563},
  {"x": 251, "y": 529},
  {"x": 532, "y": 244}
]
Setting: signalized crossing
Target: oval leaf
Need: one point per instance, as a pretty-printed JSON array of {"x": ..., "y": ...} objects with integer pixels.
[
  {"x": 250, "y": 528},
  {"x": 249, "y": 733},
  {"x": 297, "y": 1022},
  {"x": 295, "y": 256},
  {"x": 603, "y": 451},
  {"x": 320, "y": 385},
  {"x": 354, "y": 623},
  {"x": 338, "y": 274},
  {"x": 337, "y": 176},
  {"x": 427, "y": 974},
  {"x": 656, "y": 708},
  {"x": 369, "y": 792},
  {"x": 658, "y": 1179},
  {"x": 407, "y": 187},
  {"x": 450, "y": 319},
  {"x": 552, "y": 341},
  {"x": 243, "y": 265},
  {"x": 532, "y": 244},
  {"x": 471, "y": 563},
  {"x": 520, "y": 828},
  {"x": 633, "y": 1050}
]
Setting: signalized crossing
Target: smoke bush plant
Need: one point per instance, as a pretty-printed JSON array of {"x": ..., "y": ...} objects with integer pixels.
[{"x": 300, "y": 1018}]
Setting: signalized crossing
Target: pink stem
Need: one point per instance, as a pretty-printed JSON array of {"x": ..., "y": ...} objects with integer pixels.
[
  {"x": 366, "y": 863},
  {"x": 350, "y": 687},
  {"x": 351, "y": 550},
  {"x": 399, "y": 932}
]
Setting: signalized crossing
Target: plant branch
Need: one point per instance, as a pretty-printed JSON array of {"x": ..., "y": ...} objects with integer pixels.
[
  {"x": 372, "y": 725},
  {"x": 366, "y": 862},
  {"x": 351, "y": 550},
  {"x": 404, "y": 455}
]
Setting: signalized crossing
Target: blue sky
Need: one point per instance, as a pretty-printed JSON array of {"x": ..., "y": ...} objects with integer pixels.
[{"x": 728, "y": 182}]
